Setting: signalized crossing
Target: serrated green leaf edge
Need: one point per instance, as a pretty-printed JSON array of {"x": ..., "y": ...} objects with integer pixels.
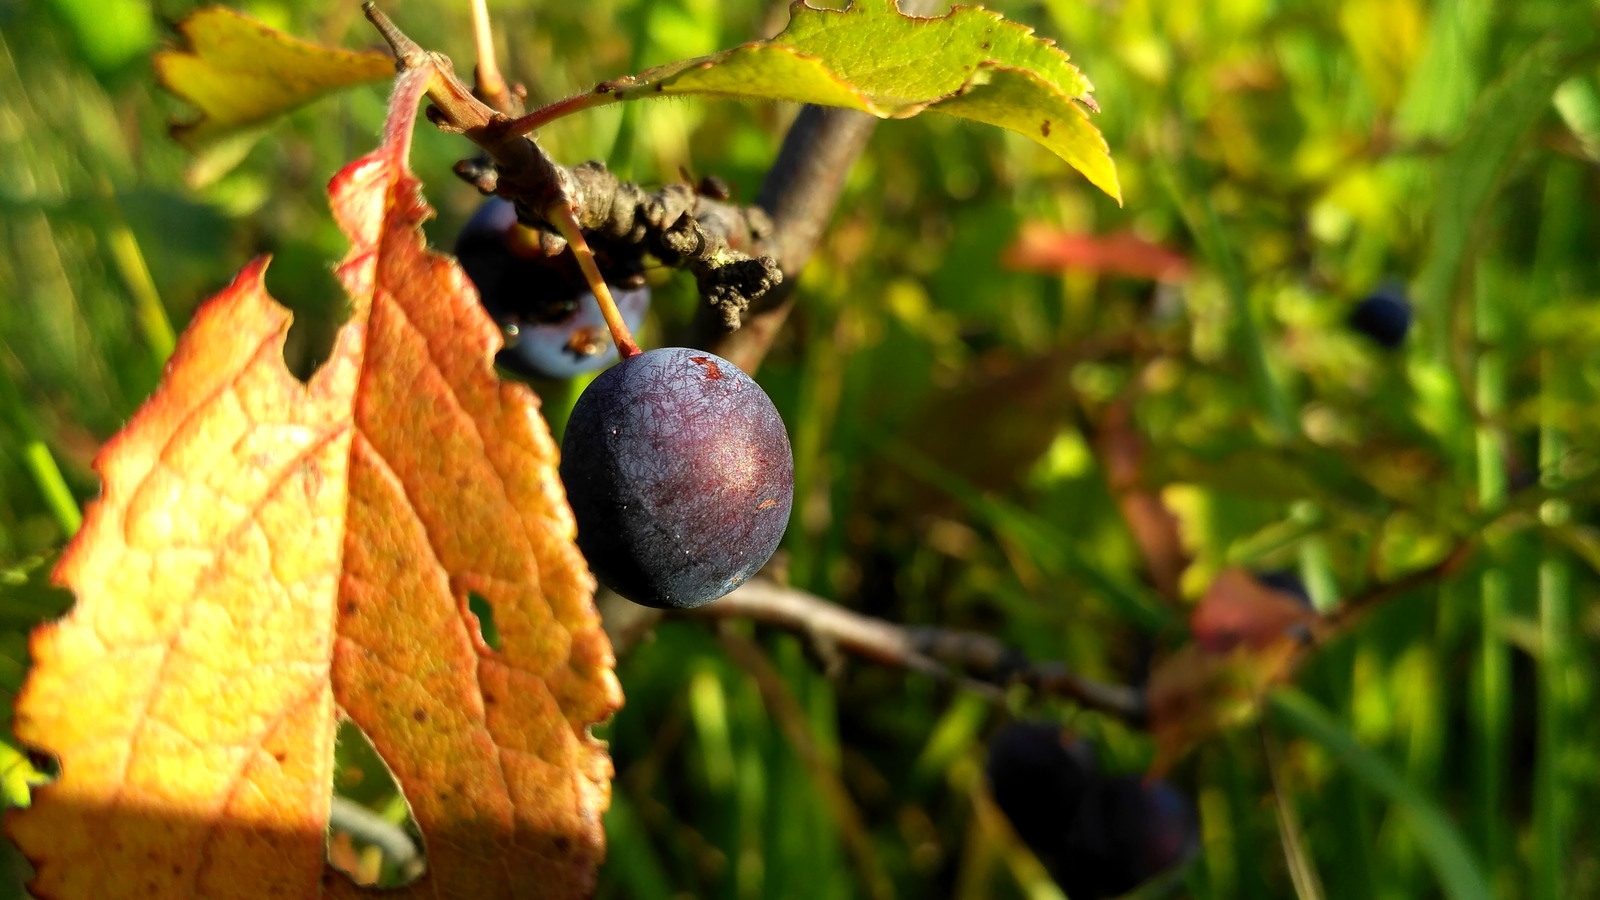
[{"x": 1000, "y": 74}]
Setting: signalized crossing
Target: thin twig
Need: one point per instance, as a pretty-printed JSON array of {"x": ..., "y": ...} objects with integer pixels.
[
  {"x": 1352, "y": 610},
  {"x": 970, "y": 659}
]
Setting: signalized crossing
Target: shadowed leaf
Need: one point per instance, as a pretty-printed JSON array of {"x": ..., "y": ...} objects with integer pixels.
[{"x": 269, "y": 555}]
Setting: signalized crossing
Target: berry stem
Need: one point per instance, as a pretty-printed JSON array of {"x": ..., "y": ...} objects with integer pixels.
[
  {"x": 564, "y": 216},
  {"x": 491, "y": 85}
]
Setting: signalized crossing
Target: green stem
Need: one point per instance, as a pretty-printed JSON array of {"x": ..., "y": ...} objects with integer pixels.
[
  {"x": 1452, "y": 861},
  {"x": 40, "y": 463},
  {"x": 1551, "y": 808},
  {"x": 1207, "y": 230},
  {"x": 130, "y": 262},
  {"x": 1493, "y": 701}
]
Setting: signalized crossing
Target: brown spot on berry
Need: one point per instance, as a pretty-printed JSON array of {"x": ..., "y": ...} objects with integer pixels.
[
  {"x": 1044, "y": 129},
  {"x": 712, "y": 370},
  {"x": 984, "y": 45},
  {"x": 419, "y": 715}
]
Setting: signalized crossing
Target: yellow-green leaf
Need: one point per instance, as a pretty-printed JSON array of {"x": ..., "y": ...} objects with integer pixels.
[
  {"x": 970, "y": 63},
  {"x": 242, "y": 74}
]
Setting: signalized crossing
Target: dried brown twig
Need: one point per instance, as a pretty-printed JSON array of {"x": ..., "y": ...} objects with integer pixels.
[
  {"x": 977, "y": 661},
  {"x": 677, "y": 224}
]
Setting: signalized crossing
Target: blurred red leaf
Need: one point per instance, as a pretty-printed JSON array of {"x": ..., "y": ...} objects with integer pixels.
[
  {"x": 1040, "y": 248},
  {"x": 1238, "y": 609},
  {"x": 1248, "y": 637}
]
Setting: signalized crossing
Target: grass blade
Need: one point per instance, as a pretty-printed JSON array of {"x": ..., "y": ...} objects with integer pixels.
[{"x": 1441, "y": 842}]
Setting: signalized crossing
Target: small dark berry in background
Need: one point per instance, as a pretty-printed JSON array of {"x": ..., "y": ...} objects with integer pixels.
[
  {"x": 1287, "y": 582},
  {"x": 678, "y": 470},
  {"x": 552, "y": 320},
  {"x": 1385, "y": 316},
  {"x": 1100, "y": 836}
]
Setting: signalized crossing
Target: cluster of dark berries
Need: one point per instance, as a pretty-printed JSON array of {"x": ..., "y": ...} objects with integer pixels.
[
  {"x": 1100, "y": 835},
  {"x": 552, "y": 320},
  {"x": 1385, "y": 316},
  {"x": 675, "y": 462}
]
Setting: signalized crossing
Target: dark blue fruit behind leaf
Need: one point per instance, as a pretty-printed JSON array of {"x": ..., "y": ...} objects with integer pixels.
[
  {"x": 679, "y": 473},
  {"x": 1288, "y": 583},
  {"x": 1100, "y": 836},
  {"x": 553, "y": 322},
  {"x": 1385, "y": 316}
]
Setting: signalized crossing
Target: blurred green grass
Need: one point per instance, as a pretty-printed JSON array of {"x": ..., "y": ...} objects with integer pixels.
[{"x": 1301, "y": 153}]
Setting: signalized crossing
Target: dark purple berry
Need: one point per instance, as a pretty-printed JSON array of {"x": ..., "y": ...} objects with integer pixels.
[
  {"x": 1127, "y": 832},
  {"x": 1039, "y": 776},
  {"x": 552, "y": 321},
  {"x": 1100, "y": 836},
  {"x": 1385, "y": 316},
  {"x": 680, "y": 476}
]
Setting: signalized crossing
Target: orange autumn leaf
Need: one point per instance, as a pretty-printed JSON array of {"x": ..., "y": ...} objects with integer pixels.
[{"x": 269, "y": 555}]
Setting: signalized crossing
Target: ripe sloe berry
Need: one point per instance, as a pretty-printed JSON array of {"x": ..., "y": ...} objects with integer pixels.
[
  {"x": 556, "y": 322},
  {"x": 1100, "y": 836},
  {"x": 1385, "y": 316},
  {"x": 680, "y": 476}
]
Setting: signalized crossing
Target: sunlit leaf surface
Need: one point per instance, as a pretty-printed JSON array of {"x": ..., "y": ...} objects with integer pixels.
[{"x": 269, "y": 555}]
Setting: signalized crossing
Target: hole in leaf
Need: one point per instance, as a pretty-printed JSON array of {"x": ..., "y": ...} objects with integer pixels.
[
  {"x": 372, "y": 838},
  {"x": 485, "y": 613},
  {"x": 299, "y": 279}
]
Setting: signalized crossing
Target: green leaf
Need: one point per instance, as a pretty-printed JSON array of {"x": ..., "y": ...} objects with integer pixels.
[
  {"x": 17, "y": 777},
  {"x": 969, "y": 63},
  {"x": 1437, "y": 837},
  {"x": 27, "y": 597}
]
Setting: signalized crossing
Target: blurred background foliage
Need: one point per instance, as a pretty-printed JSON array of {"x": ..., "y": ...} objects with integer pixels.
[{"x": 945, "y": 410}]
